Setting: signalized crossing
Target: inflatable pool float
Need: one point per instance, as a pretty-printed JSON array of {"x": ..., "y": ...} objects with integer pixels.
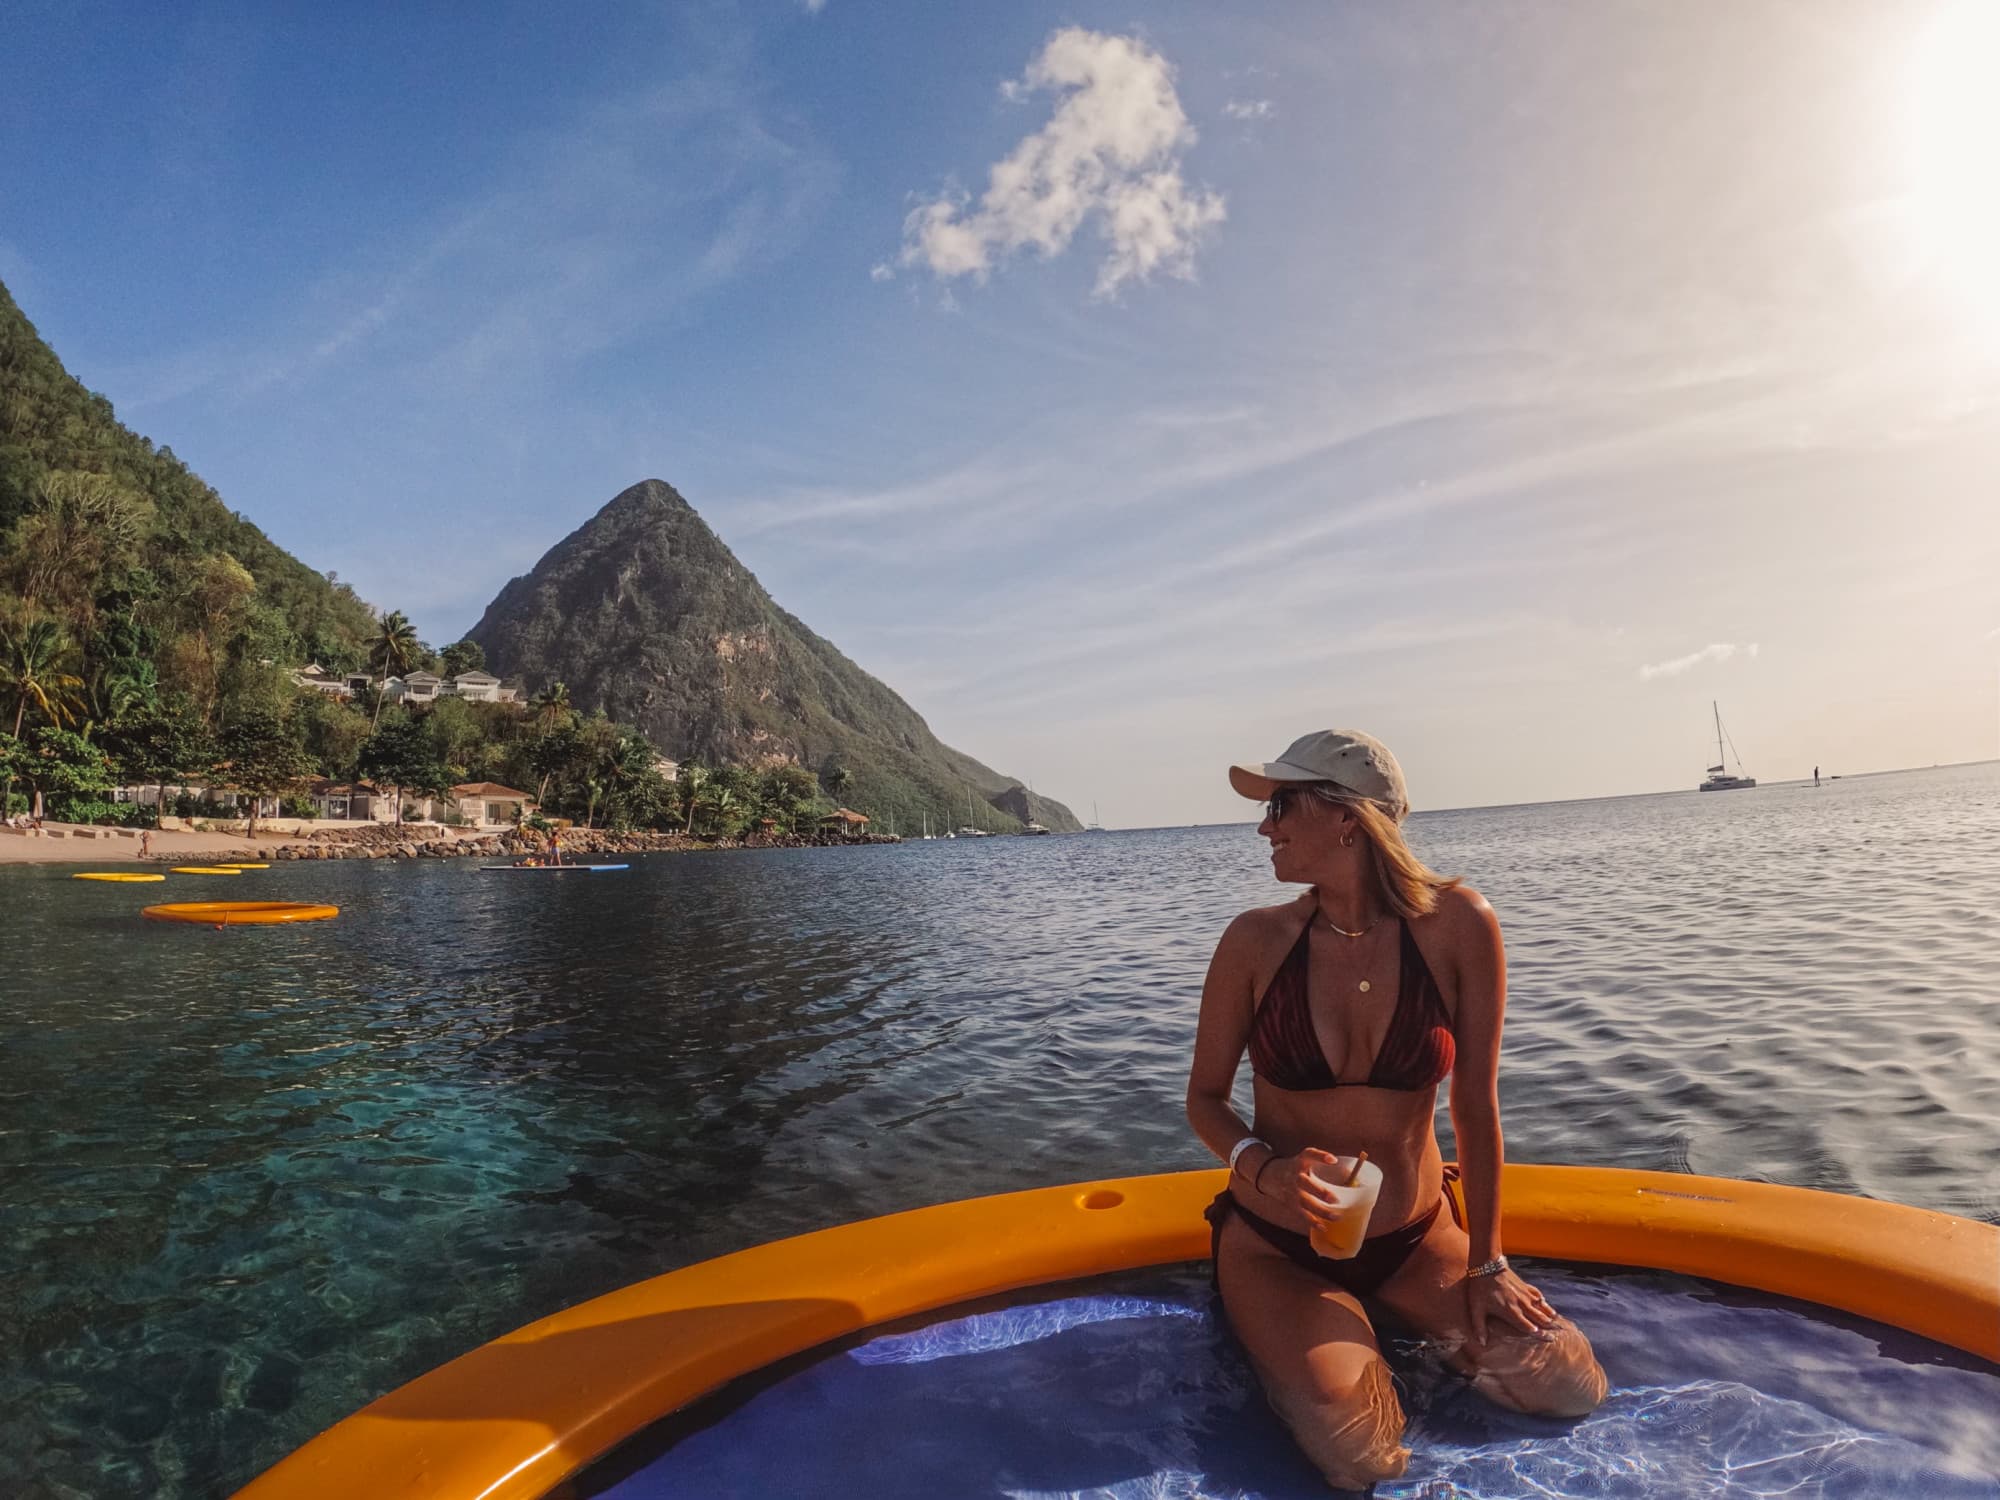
[
  {"x": 206, "y": 870},
  {"x": 513, "y": 1419},
  {"x": 126, "y": 877},
  {"x": 240, "y": 913}
]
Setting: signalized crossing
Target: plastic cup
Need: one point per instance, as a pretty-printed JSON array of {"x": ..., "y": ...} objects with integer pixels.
[{"x": 1341, "y": 1239}]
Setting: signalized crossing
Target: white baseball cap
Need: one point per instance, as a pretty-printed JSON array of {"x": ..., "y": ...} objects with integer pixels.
[{"x": 1353, "y": 761}]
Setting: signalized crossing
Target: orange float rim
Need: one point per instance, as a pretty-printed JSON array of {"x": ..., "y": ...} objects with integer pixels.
[
  {"x": 240, "y": 913},
  {"x": 513, "y": 1419}
]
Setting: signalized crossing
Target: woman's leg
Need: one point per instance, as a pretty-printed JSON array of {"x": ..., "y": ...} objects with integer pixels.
[
  {"x": 1316, "y": 1357},
  {"x": 1552, "y": 1373}
]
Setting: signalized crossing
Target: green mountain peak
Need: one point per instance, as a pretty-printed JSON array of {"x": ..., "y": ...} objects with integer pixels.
[{"x": 644, "y": 612}]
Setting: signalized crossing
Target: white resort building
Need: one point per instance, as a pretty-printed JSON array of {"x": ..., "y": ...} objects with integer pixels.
[{"x": 417, "y": 687}]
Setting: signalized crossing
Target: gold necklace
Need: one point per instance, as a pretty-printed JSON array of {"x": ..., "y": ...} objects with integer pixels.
[
  {"x": 1344, "y": 932},
  {"x": 1363, "y": 986}
]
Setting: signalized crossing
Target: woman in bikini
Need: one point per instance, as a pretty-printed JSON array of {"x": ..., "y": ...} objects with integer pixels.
[{"x": 1354, "y": 1002}]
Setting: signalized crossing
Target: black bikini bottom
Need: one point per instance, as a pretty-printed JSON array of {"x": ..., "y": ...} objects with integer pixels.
[{"x": 1380, "y": 1257}]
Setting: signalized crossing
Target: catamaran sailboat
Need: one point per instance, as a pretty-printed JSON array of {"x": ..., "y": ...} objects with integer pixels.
[
  {"x": 1719, "y": 779},
  {"x": 971, "y": 830}
]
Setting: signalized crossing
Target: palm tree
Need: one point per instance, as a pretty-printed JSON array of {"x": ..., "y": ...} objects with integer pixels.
[
  {"x": 117, "y": 691},
  {"x": 550, "y": 706},
  {"x": 623, "y": 766},
  {"x": 693, "y": 778},
  {"x": 837, "y": 781},
  {"x": 720, "y": 803},
  {"x": 391, "y": 653},
  {"x": 33, "y": 670}
]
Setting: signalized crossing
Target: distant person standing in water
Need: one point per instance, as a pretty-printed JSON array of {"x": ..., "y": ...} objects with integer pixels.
[
  {"x": 1815, "y": 775},
  {"x": 1355, "y": 1002}
]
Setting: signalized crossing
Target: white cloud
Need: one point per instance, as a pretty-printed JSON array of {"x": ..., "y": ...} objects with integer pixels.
[
  {"x": 814, "y": 7},
  {"x": 1249, "y": 109},
  {"x": 1111, "y": 153},
  {"x": 1715, "y": 651}
]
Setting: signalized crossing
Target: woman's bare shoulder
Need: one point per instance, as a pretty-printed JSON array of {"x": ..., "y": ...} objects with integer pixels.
[
  {"x": 1262, "y": 924},
  {"x": 1462, "y": 923},
  {"x": 1464, "y": 908}
]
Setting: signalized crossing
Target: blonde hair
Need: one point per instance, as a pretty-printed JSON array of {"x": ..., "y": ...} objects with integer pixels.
[{"x": 1408, "y": 886}]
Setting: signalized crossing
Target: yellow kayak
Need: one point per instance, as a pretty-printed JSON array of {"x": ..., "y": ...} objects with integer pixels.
[
  {"x": 126, "y": 877},
  {"x": 240, "y": 913},
  {"x": 206, "y": 870},
  {"x": 243, "y": 864}
]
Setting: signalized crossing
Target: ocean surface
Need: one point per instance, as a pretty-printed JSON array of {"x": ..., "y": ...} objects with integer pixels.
[{"x": 251, "y": 1179}]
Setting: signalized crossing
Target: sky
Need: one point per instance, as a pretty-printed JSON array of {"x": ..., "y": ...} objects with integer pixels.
[{"x": 1132, "y": 388}]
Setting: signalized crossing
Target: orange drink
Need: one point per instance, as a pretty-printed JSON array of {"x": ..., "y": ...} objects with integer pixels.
[{"x": 1341, "y": 1239}]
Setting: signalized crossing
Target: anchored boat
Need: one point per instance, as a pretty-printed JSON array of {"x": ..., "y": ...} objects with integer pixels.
[{"x": 1719, "y": 779}]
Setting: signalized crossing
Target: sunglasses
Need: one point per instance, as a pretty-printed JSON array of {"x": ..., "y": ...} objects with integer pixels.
[{"x": 1280, "y": 801}]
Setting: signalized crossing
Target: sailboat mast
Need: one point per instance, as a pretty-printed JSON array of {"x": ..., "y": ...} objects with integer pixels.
[{"x": 1712, "y": 703}]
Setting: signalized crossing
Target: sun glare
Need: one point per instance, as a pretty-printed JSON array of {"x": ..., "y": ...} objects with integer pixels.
[{"x": 1955, "y": 148}]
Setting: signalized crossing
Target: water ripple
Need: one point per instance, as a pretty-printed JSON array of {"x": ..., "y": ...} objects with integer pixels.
[{"x": 254, "y": 1178}]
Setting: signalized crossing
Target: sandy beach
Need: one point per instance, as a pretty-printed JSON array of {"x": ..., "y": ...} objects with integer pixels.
[
  {"x": 76, "y": 844},
  {"x": 68, "y": 843}
]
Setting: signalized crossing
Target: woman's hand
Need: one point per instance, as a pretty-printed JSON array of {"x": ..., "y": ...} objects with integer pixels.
[
  {"x": 1290, "y": 1195},
  {"x": 1501, "y": 1305}
]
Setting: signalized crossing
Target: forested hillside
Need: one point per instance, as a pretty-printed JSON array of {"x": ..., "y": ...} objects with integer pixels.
[
  {"x": 150, "y": 635},
  {"x": 132, "y": 554}
]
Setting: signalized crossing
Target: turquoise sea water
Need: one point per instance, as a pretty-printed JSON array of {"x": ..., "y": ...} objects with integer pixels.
[{"x": 252, "y": 1178}]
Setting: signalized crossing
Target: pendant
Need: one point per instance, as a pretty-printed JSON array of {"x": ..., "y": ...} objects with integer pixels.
[{"x": 1364, "y": 986}]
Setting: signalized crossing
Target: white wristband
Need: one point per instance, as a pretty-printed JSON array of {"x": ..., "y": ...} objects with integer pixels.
[{"x": 1244, "y": 1145}]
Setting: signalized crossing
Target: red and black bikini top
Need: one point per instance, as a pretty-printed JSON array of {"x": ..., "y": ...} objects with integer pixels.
[{"x": 1416, "y": 1054}]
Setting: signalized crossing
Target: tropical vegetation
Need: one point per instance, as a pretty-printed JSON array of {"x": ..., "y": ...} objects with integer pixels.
[{"x": 151, "y": 637}]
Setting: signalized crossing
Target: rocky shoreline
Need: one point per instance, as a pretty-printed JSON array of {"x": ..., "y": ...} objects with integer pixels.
[{"x": 390, "y": 842}]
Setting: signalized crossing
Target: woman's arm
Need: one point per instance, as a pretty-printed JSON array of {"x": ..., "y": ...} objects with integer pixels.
[
  {"x": 1502, "y": 1299},
  {"x": 1475, "y": 1079},
  {"x": 1219, "y": 1039}
]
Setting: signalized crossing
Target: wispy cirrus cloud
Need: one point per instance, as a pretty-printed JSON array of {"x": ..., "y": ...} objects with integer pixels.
[
  {"x": 1111, "y": 153},
  {"x": 589, "y": 233},
  {"x": 1714, "y": 651},
  {"x": 1249, "y": 109}
]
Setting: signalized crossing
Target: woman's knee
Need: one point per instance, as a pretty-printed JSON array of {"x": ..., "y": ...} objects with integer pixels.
[
  {"x": 1352, "y": 1431},
  {"x": 1551, "y": 1374}
]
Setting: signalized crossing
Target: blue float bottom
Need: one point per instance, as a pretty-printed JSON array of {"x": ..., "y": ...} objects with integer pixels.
[{"x": 1130, "y": 1387}]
